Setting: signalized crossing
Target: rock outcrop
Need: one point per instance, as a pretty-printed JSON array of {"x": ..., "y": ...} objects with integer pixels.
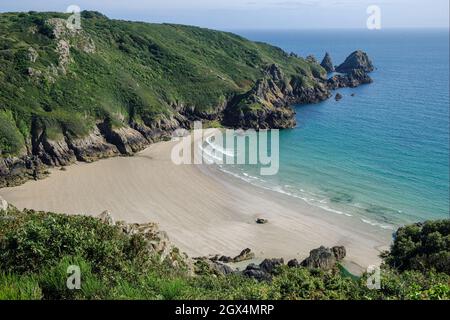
[
  {"x": 264, "y": 270},
  {"x": 353, "y": 79},
  {"x": 358, "y": 60},
  {"x": 324, "y": 258},
  {"x": 268, "y": 104},
  {"x": 245, "y": 254},
  {"x": 338, "y": 96},
  {"x": 321, "y": 258},
  {"x": 327, "y": 63},
  {"x": 92, "y": 147},
  {"x": 339, "y": 252},
  {"x": 156, "y": 241}
]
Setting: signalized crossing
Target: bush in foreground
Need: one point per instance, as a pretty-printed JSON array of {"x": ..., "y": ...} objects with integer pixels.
[{"x": 36, "y": 248}]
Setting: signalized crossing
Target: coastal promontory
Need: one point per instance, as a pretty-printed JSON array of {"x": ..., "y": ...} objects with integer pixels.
[{"x": 113, "y": 87}]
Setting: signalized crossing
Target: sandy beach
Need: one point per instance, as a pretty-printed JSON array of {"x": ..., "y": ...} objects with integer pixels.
[{"x": 203, "y": 210}]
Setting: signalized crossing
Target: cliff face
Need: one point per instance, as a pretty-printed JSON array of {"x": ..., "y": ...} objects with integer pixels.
[{"x": 114, "y": 87}]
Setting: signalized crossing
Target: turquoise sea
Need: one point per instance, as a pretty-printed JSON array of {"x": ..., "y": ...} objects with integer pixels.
[{"x": 381, "y": 156}]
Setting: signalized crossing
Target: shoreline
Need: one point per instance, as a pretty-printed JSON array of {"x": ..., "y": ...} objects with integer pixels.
[{"x": 203, "y": 210}]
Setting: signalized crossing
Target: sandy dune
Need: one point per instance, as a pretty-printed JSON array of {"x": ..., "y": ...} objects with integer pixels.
[{"x": 204, "y": 211}]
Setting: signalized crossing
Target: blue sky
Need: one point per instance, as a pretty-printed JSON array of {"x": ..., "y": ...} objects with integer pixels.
[{"x": 257, "y": 14}]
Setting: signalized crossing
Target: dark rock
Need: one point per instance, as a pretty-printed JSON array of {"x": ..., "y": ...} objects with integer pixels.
[
  {"x": 252, "y": 266},
  {"x": 225, "y": 259},
  {"x": 262, "y": 221},
  {"x": 269, "y": 265},
  {"x": 339, "y": 252},
  {"x": 256, "y": 274},
  {"x": 321, "y": 258},
  {"x": 126, "y": 139},
  {"x": 338, "y": 96},
  {"x": 92, "y": 147},
  {"x": 356, "y": 60},
  {"x": 245, "y": 254},
  {"x": 293, "y": 263},
  {"x": 263, "y": 271},
  {"x": 222, "y": 268},
  {"x": 327, "y": 63},
  {"x": 355, "y": 78},
  {"x": 352, "y": 94}
]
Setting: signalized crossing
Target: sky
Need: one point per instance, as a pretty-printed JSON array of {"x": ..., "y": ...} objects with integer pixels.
[{"x": 257, "y": 14}]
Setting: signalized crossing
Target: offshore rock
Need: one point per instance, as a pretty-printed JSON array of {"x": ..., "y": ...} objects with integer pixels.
[
  {"x": 327, "y": 63},
  {"x": 355, "y": 78},
  {"x": 356, "y": 60}
]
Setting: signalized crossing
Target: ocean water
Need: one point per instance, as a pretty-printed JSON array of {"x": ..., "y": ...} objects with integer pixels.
[{"x": 381, "y": 156}]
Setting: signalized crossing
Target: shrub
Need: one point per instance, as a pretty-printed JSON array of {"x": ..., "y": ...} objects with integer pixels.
[{"x": 422, "y": 246}]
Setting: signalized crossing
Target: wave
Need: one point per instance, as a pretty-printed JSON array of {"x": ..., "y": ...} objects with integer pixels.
[
  {"x": 210, "y": 151},
  {"x": 310, "y": 198}
]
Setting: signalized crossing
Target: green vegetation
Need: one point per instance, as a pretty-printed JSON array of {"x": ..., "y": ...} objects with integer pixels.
[
  {"x": 422, "y": 246},
  {"x": 37, "y": 248},
  {"x": 123, "y": 72}
]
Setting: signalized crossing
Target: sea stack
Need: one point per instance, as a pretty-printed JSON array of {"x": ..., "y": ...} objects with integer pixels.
[
  {"x": 358, "y": 60},
  {"x": 327, "y": 63}
]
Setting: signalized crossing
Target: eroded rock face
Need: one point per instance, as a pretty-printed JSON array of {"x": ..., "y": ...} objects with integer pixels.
[
  {"x": 321, "y": 258},
  {"x": 327, "y": 63},
  {"x": 92, "y": 147},
  {"x": 356, "y": 60},
  {"x": 126, "y": 139},
  {"x": 339, "y": 252},
  {"x": 17, "y": 170}
]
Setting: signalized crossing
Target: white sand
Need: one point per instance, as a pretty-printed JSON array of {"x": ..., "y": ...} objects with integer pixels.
[{"x": 203, "y": 210}]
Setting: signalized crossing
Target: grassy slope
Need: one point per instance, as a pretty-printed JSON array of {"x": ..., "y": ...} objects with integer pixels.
[{"x": 138, "y": 72}]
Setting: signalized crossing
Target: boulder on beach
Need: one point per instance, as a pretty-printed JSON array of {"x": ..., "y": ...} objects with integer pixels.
[
  {"x": 245, "y": 254},
  {"x": 320, "y": 258},
  {"x": 261, "y": 221},
  {"x": 338, "y": 96}
]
